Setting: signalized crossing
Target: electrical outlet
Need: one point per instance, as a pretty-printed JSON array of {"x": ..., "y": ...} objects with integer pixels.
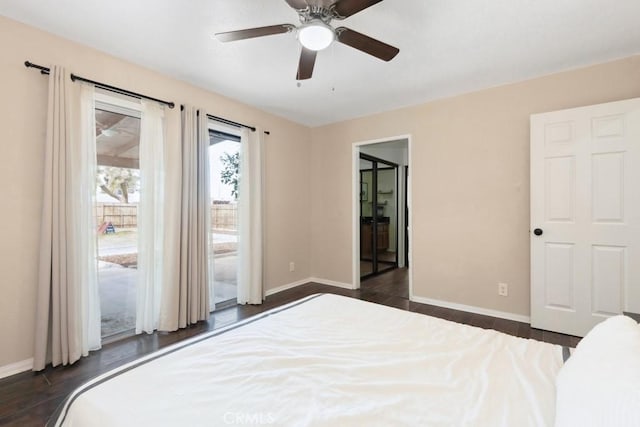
[
  {"x": 503, "y": 289},
  {"x": 292, "y": 266}
]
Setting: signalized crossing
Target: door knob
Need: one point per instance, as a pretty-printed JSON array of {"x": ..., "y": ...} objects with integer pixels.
[{"x": 537, "y": 232}]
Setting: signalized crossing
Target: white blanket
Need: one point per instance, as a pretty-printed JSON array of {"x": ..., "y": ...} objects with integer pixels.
[{"x": 330, "y": 361}]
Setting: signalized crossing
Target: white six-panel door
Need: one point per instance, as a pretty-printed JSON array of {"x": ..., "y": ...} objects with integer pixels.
[{"x": 585, "y": 202}]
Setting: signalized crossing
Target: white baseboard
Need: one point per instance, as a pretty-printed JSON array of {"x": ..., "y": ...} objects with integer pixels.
[
  {"x": 422, "y": 300},
  {"x": 287, "y": 286},
  {"x": 331, "y": 283},
  {"x": 308, "y": 280},
  {"x": 16, "y": 368},
  {"x": 473, "y": 309}
]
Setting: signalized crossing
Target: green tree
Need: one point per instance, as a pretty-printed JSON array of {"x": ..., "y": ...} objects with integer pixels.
[
  {"x": 229, "y": 174},
  {"x": 118, "y": 182}
]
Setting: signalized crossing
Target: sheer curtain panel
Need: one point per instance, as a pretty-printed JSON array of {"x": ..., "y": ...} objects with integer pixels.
[
  {"x": 193, "y": 303},
  {"x": 250, "y": 272},
  {"x": 87, "y": 254},
  {"x": 67, "y": 310},
  {"x": 150, "y": 217}
]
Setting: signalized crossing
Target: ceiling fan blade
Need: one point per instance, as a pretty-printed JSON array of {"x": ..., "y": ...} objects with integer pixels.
[
  {"x": 250, "y": 33},
  {"x": 346, "y": 8},
  {"x": 305, "y": 66},
  {"x": 366, "y": 44},
  {"x": 297, "y": 4}
]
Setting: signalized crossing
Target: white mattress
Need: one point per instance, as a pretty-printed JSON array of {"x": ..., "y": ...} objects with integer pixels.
[{"x": 329, "y": 360}]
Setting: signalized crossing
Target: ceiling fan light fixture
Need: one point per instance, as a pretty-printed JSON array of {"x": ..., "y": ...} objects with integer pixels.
[{"x": 316, "y": 35}]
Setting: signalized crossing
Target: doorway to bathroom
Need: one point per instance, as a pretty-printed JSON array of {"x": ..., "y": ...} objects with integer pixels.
[{"x": 381, "y": 208}]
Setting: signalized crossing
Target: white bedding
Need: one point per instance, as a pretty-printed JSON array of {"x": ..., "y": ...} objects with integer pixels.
[{"x": 331, "y": 361}]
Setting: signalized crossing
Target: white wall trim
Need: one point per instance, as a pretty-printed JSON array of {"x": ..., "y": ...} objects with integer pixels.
[
  {"x": 287, "y": 286},
  {"x": 16, "y": 368},
  {"x": 309, "y": 280},
  {"x": 473, "y": 309},
  {"x": 332, "y": 283}
]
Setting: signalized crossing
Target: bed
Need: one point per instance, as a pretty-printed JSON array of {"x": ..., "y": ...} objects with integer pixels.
[{"x": 328, "y": 360}]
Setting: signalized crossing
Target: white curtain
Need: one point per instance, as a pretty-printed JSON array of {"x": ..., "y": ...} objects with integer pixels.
[
  {"x": 68, "y": 309},
  {"x": 87, "y": 253},
  {"x": 250, "y": 206},
  {"x": 150, "y": 217},
  {"x": 172, "y": 213},
  {"x": 196, "y": 268}
]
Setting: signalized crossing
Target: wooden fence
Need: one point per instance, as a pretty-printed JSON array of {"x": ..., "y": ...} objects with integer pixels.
[
  {"x": 119, "y": 214},
  {"x": 223, "y": 216}
]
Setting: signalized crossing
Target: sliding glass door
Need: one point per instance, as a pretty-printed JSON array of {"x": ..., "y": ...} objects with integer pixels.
[
  {"x": 224, "y": 163},
  {"x": 378, "y": 215},
  {"x": 116, "y": 211}
]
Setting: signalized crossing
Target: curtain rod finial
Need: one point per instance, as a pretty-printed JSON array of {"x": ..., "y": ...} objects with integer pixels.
[{"x": 27, "y": 64}]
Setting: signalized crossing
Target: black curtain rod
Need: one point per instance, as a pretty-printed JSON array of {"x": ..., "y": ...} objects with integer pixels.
[
  {"x": 229, "y": 122},
  {"x": 45, "y": 70}
]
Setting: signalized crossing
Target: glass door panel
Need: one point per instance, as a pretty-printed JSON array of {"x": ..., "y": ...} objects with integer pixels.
[
  {"x": 366, "y": 218},
  {"x": 378, "y": 215},
  {"x": 386, "y": 217},
  {"x": 224, "y": 160},
  {"x": 116, "y": 212}
]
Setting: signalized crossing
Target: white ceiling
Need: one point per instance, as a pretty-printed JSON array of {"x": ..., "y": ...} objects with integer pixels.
[{"x": 447, "y": 47}]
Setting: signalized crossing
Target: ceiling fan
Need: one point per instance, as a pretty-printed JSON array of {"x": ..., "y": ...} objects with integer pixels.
[{"x": 316, "y": 33}]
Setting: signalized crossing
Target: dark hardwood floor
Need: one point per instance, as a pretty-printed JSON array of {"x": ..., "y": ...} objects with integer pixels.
[{"x": 29, "y": 399}]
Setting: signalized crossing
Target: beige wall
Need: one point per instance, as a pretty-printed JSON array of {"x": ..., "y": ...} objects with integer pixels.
[
  {"x": 470, "y": 171},
  {"x": 22, "y": 121}
]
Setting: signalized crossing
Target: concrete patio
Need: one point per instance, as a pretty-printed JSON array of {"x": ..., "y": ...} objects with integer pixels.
[{"x": 117, "y": 283}]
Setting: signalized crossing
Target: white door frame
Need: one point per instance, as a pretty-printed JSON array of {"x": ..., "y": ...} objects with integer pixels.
[{"x": 355, "y": 208}]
